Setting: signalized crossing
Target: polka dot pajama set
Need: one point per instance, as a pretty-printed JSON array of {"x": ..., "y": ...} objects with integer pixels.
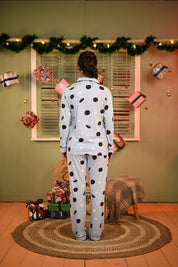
[{"x": 86, "y": 134}]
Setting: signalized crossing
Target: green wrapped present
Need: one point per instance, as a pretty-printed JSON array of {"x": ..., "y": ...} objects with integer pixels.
[
  {"x": 65, "y": 207},
  {"x": 53, "y": 207}
]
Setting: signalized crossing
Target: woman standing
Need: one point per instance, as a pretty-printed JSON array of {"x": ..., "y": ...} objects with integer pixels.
[{"x": 86, "y": 142}]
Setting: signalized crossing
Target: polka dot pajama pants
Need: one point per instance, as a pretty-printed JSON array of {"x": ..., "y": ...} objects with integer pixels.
[{"x": 97, "y": 169}]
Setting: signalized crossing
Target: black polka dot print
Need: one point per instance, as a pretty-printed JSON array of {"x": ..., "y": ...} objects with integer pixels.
[
  {"x": 78, "y": 220},
  {"x": 72, "y": 96},
  {"x": 74, "y": 199},
  {"x": 98, "y": 134},
  {"x": 102, "y": 214},
  {"x": 82, "y": 162},
  {"x": 94, "y": 157},
  {"x": 81, "y": 139},
  {"x": 99, "y": 123},
  {"x": 92, "y": 181},
  {"x": 88, "y": 86},
  {"x": 88, "y": 126},
  {"x": 64, "y": 127},
  {"x": 75, "y": 189},
  {"x": 72, "y": 106},
  {"x": 91, "y": 225},
  {"x": 71, "y": 88},
  {"x": 81, "y": 100},
  {"x": 87, "y": 112},
  {"x": 63, "y": 105},
  {"x": 71, "y": 174},
  {"x": 95, "y": 99},
  {"x": 102, "y": 111},
  {"x": 92, "y": 196},
  {"x": 100, "y": 144},
  {"x": 106, "y": 107},
  {"x": 75, "y": 212},
  {"x": 108, "y": 132},
  {"x": 62, "y": 118},
  {"x": 100, "y": 169},
  {"x": 101, "y": 87},
  {"x": 75, "y": 181}
]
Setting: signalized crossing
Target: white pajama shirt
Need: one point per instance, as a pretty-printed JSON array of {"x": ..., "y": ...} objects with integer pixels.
[{"x": 86, "y": 134}]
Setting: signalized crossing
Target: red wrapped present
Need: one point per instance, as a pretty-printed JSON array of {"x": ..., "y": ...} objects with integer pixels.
[
  {"x": 119, "y": 142},
  {"x": 137, "y": 99},
  {"x": 29, "y": 119},
  {"x": 43, "y": 74}
]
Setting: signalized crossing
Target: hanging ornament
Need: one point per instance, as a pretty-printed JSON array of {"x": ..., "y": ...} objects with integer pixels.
[
  {"x": 9, "y": 78},
  {"x": 137, "y": 99},
  {"x": 25, "y": 100},
  {"x": 168, "y": 93},
  {"x": 159, "y": 71},
  {"x": 119, "y": 142},
  {"x": 61, "y": 86},
  {"x": 29, "y": 119},
  {"x": 43, "y": 74}
]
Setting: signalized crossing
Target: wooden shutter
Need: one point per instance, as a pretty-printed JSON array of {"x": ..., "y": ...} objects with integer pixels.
[
  {"x": 120, "y": 74},
  {"x": 123, "y": 85}
]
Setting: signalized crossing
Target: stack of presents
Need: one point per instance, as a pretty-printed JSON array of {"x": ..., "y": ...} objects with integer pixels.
[{"x": 58, "y": 207}]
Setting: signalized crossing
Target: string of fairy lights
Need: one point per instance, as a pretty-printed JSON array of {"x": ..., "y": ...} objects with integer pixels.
[{"x": 71, "y": 47}]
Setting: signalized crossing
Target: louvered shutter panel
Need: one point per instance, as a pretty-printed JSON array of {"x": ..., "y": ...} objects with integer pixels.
[
  {"x": 123, "y": 83},
  {"x": 48, "y": 99}
]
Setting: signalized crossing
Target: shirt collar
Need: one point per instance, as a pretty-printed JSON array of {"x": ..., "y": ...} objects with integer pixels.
[{"x": 81, "y": 79}]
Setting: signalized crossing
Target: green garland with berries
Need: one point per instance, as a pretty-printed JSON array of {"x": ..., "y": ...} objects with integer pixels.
[{"x": 85, "y": 41}]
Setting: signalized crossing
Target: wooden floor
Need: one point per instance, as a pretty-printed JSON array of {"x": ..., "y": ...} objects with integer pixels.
[{"x": 12, "y": 255}]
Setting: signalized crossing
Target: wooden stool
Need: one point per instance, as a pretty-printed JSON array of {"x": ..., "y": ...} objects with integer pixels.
[{"x": 121, "y": 193}]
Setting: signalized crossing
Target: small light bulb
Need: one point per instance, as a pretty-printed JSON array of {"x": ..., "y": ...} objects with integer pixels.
[
  {"x": 17, "y": 40},
  {"x": 95, "y": 45},
  {"x": 43, "y": 42},
  {"x": 134, "y": 46},
  {"x": 160, "y": 44},
  {"x": 68, "y": 44},
  {"x": 108, "y": 45},
  {"x": 172, "y": 41},
  {"x": 7, "y": 43}
]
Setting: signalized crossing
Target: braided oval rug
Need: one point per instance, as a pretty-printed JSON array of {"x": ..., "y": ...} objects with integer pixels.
[{"x": 130, "y": 237}]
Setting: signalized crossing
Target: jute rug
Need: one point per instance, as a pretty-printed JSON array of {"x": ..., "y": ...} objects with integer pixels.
[{"x": 129, "y": 238}]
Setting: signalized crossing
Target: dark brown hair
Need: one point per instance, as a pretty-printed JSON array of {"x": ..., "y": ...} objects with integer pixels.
[{"x": 87, "y": 63}]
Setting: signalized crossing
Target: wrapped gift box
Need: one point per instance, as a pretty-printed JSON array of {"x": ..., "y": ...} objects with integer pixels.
[
  {"x": 9, "y": 78},
  {"x": 36, "y": 212},
  {"x": 43, "y": 74},
  {"x": 29, "y": 119},
  {"x": 60, "y": 197},
  {"x": 159, "y": 70},
  {"x": 119, "y": 142},
  {"x": 137, "y": 99},
  {"x": 65, "y": 207},
  {"x": 57, "y": 214},
  {"x": 53, "y": 207},
  {"x": 61, "y": 86}
]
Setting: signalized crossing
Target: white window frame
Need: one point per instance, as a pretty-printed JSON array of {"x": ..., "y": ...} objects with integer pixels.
[{"x": 34, "y": 101}]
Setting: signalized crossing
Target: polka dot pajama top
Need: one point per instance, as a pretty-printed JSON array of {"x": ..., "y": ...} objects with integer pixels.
[{"x": 86, "y": 118}]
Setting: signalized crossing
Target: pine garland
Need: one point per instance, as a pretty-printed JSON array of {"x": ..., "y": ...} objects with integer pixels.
[{"x": 60, "y": 45}]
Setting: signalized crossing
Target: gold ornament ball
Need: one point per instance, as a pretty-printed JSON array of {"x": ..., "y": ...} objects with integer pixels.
[
  {"x": 168, "y": 93},
  {"x": 25, "y": 100}
]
